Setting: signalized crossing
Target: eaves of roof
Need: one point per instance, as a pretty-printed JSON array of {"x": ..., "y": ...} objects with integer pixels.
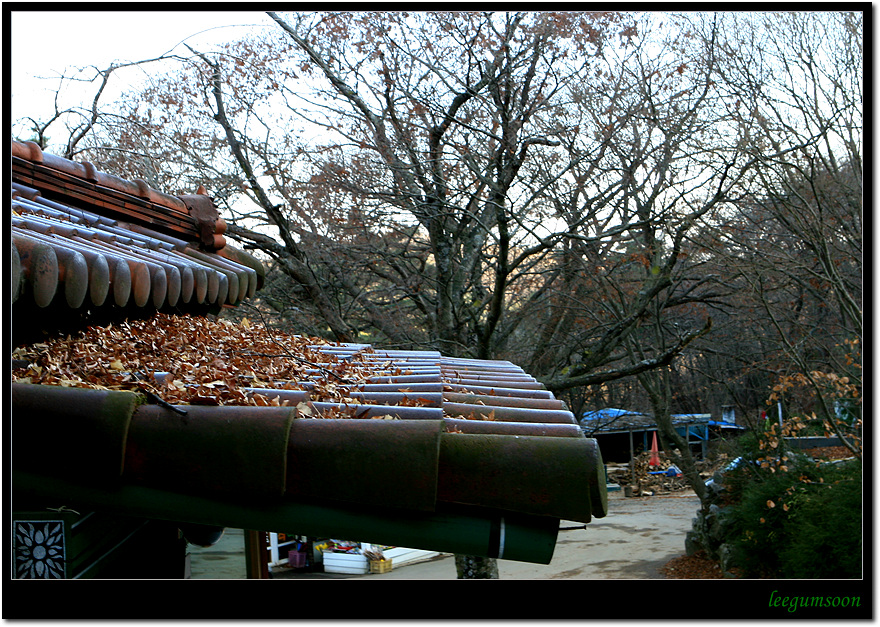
[
  {"x": 86, "y": 239},
  {"x": 607, "y": 414},
  {"x": 512, "y": 455},
  {"x": 640, "y": 422}
]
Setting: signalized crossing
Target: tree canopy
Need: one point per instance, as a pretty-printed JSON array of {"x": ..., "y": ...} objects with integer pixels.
[{"x": 602, "y": 197}]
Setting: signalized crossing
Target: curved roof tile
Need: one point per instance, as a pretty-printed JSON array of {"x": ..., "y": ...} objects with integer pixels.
[
  {"x": 455, "y": 448},
  {"x": 118, "y": 239}
]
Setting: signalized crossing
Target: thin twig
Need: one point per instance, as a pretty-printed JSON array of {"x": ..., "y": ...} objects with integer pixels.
[
  {"x": 284, "y": 353},
  {"x": 162, "y": 403},
  {"x": 139, "y": 377}
]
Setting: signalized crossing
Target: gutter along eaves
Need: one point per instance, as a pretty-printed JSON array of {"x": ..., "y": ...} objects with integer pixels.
[
  {"x": 454, "y": 530},
  {"x": 228, "y": 465}
]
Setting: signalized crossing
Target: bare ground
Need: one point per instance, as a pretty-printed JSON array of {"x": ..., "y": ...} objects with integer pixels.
[
  {"x": 634, "y": 541},
  {"x": 637, "y": 538}
]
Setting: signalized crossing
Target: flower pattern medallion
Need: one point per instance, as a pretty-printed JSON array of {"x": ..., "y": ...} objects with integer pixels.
[{"x": 38, "y": 549}]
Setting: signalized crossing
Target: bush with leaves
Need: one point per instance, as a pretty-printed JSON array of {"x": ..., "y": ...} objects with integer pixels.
[
  {"x": 837, "y": 399},
  {"x": 790, "y": 516}
]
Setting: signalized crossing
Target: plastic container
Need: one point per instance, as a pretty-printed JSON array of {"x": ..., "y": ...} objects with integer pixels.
[
  {"x": 380, "y": 566},
  {"x": 296, "y": 559},
  {"x": 347, "y": 563}
]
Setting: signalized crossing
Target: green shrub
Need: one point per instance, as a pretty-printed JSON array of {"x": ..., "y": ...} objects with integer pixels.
[
  {"x": 801, "y": 522},
  {"x": 825, "y": 529}
]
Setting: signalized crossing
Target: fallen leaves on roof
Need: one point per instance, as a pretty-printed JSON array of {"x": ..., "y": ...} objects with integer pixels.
[{"x": 198, "y": 361}]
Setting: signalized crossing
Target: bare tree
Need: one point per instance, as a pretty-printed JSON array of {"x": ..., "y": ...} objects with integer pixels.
[{"x": 798, "y": 235}]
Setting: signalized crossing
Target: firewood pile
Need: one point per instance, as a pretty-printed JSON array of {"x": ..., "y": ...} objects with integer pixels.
[{"x": 646, "y": 483}]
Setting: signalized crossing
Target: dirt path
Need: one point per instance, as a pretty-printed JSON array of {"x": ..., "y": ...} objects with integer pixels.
[{"x": 634, "y": 541}]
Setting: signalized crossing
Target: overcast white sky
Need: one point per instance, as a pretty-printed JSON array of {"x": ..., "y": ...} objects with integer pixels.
[{"x": 45, "y": 42}]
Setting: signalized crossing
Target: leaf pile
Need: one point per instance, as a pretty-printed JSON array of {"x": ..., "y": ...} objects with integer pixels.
[
  {"x": 696, "y": 566},
  {"x": 829, "y": 452},
  {"x": 207, "y": 361}
]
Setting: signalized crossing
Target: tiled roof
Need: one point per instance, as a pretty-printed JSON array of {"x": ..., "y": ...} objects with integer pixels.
[
  {"x": 88, "y": 239},
  {"x": 470, "y": 443},
  {"x": 457, "y": 446},
  {"x": 485, "y": 443}
]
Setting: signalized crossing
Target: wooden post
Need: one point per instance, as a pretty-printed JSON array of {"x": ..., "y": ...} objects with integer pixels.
[
  {"x": 256, "y": 559},
  {"x": 632, "y": 458}
]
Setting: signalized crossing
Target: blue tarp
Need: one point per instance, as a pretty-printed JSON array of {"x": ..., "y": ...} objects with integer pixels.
[
  {"x": 607, "y": 414},
  {"x": 610, "y": 414}
]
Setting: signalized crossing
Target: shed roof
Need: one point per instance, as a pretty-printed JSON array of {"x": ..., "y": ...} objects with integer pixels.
[
  {"x": 469, "y": 444},
  {"x": 611, "y": 420}
]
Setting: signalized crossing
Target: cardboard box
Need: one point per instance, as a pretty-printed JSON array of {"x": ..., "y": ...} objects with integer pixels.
[{"x": 402, "y": 555}]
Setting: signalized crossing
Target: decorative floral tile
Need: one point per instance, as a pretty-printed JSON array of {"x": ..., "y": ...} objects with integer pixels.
[{"x": 38, "y": 549}]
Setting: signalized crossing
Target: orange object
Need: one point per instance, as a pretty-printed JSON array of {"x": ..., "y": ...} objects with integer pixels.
[{"x": 655, "y": 452}]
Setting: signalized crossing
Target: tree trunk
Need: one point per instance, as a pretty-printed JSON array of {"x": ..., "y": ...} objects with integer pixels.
[
  {"x": 473, "y": 567},
  {"x": 685, "y": 460},
  {"x": 659, "y": 395}
]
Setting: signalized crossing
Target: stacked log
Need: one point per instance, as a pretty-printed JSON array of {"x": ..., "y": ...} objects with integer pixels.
[{"x": 638, "y": 476}]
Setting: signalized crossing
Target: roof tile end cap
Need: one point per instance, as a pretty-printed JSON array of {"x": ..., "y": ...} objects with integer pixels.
[
  {"x": 27, "y": 150},
  {"x": 231, "y": 452},
  {"x": 201, "y": 209},
  {"x": 89, "y": 428}
]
